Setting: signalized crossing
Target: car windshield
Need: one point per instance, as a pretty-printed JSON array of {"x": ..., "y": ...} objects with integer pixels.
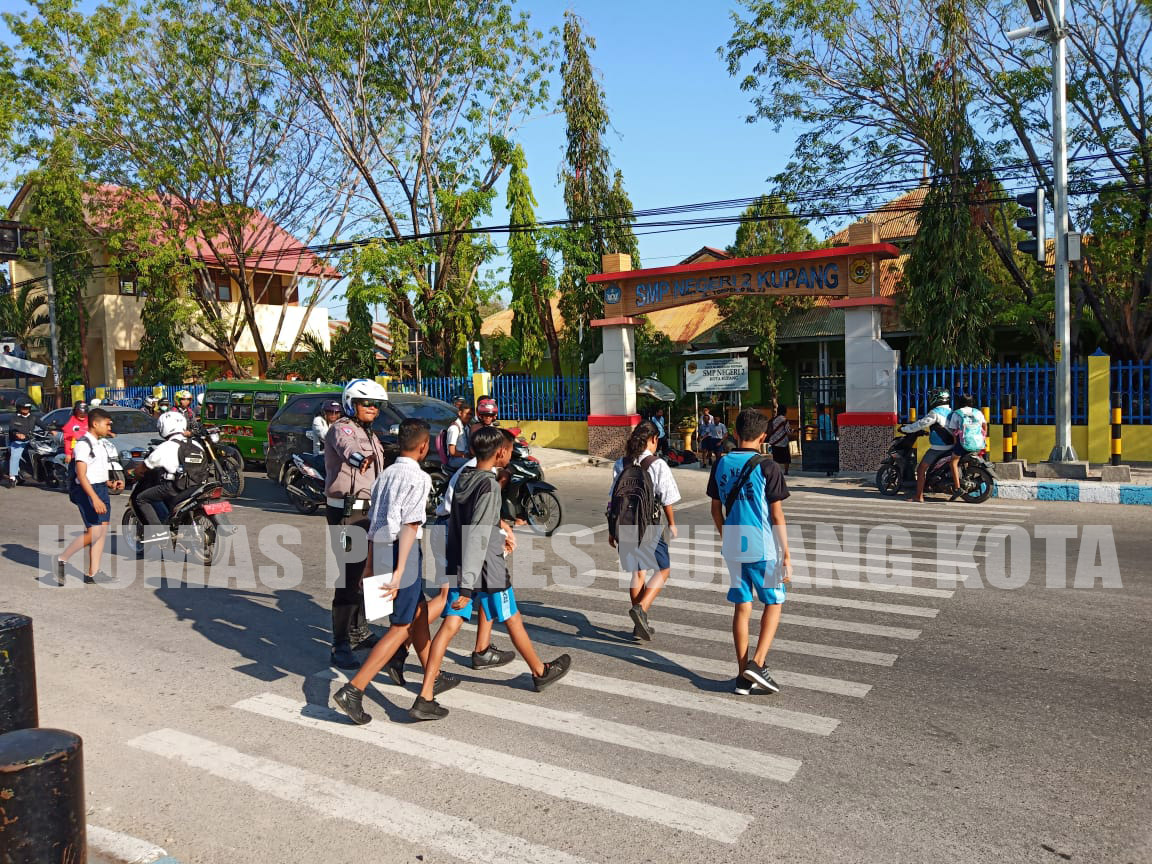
[{"x": 130, "y": 422}]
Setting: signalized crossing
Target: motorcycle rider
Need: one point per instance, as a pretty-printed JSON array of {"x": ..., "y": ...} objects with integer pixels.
[
  {"x": 969, "y": 427},
  {"x": 329, "y": 413},
  {"x": 184, "y": 406},
  {"x": 19, "y": 434},
  {"x": 456, "y": 435},
  {"x": 940, "y": 439},
  {"x": 173, "y": 428},
  {"x": 353, "y": 457},
  {"x": 149, "y": 406},
  {"x": 163, "y": 406},
  {"x": 75, "y": 427}
]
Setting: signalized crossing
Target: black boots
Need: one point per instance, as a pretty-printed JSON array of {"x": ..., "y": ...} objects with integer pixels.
[{"x": 342, "y": 618}]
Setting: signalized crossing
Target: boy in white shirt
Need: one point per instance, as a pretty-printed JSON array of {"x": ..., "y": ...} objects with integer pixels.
[{"x": 89, "y": 492}]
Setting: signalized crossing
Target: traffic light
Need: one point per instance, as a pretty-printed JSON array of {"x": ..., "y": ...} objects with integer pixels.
[{"x": 1034, "y": 224}]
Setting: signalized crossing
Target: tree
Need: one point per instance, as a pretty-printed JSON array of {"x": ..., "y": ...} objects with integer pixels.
[
  {"x": 530, "y": 279},
  {"x": 421, "y": 97},
  {"x": 500, "y": 351},
  {"x": 766, "y": 227},
  {"x": 161, "y": 358},
  {"x": 24, "y": 315},
  {"x": 358, "y": 340},
  {"x": 599, "y": 220}
]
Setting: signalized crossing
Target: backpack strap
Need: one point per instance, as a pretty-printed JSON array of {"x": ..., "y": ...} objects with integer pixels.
[{"x": 734, "y": 493}]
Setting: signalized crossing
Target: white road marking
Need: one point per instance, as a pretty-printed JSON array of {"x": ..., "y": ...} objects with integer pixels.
[
  {"x": 639, "y": 655},
  {"x": 785, "y": 617},
  {"x": 334, "y": 799},
  {"x": 842, "y": 567},
  {"x": 700, "y": 546},
  {"x": 603, "y": 526},
  {"x": 121, "y": 847},
  {"x": 682, "y": 814}
]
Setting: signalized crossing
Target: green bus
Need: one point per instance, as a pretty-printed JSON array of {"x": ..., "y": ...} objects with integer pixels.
[{"x": 241, "y": 409}]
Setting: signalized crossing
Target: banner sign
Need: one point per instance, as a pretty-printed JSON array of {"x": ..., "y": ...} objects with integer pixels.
[
  {"x": 846, "y": 271},
  {"x": 722, "y": 375}
]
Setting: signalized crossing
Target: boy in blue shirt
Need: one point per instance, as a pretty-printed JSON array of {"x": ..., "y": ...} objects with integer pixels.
[{"x": 747, "y": 489}]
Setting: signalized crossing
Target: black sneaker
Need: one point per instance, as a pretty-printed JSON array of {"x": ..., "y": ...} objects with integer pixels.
[
  {"x": 343, "y": 658},
  {"x": 491, "y": 657},
  {"x": 640, "y": 619},
  {"x": 395, "y": 667},
  {"x": 351, "y": 701},
  {"x": 427, "y": 709},
  {"x": 743, "y": 687},
  {"x": 553, "y": 672},
  {"x": 445, "y": 681},
  {"x": 89, "y": 580},
  {"x": 364, "y": 641},
  {"x": 59, "y": 574},
  {"x": 759, "y": 675}
]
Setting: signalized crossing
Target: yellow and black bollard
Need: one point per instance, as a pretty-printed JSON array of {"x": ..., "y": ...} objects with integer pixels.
[
  {"x": 1117, "y": 417},
  {"x": 1007, "y": 432},
  {"x": 1015, "y": 430},
  {"x": 17, "y": 674}
]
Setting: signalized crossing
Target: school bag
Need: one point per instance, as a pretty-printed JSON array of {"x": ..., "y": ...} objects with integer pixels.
[
  {"x": 633, "y": 500},
  {"x": 972, "y": 431},
  {"x": 195, "y": 470},
  {"x": 442, "y": 445},
  {"x": 75, "y": 490}
]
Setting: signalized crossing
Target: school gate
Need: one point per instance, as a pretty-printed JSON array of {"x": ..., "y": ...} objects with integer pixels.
[{"x": 847, "y": 275}]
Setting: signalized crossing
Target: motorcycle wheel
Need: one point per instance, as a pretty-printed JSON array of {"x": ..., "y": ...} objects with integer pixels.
[
  {"x": 231, "y": 472},
  {"x": 302, "y": 503},
  {"x": 543, "y": 513},
  {"x": 978, "y": 484},
  {"x": 888, "y": 479},
  {"x": 59, "y": 475},
  {"x": 207, "y": 547},
  {"x": 132, "y": 532}
]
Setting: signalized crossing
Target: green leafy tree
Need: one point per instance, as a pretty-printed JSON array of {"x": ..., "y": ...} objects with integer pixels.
[
  {"x": 533, "y": 327},
  {"x": 161, "y": 357},
  {"x": 500, "y": 351},
  {"x": 599, "y": 220},
  {"x": 767, "y": 227},
  {"x": 24, "y": 316},
  {"x": 358, "y": 340}
]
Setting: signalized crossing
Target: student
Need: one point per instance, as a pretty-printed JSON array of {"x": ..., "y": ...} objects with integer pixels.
[
  {"x": 970, "y": 429},
  {"x": 647, "y": 549},
  {"x": 456, "y": 439},
  {"x": 396, "y": 521},
  {"x": 661, "y": 429},
  {"x": 746, "y": 491},
  {"x": 330, "y": 412},
  {"x": 476, "y": 546},
  {"x": 778, "y": 435},
  {"x": 89, "y": 492}
]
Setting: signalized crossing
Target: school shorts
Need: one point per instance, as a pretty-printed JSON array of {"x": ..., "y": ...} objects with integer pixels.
[
  {"x": 87, "y": 511},
  {"x": 934, "y": 454},
  {"x": 752, "y": 582},
  {"x": 498, "y": 606},
  {"x": 647, "y": 556},
  {"x": 407, "y": 599}
]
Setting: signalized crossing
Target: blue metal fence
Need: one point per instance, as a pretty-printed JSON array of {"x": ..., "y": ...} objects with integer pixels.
[
  {"x": 1134, "y": 382},
  {"x": 133, "y": 397},
  {"x": 523, "y": 397},
  {"x": 1033, "y": 386}
]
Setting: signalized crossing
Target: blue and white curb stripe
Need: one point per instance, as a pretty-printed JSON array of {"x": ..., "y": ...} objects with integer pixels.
[
  {"x": 1089, "y": 493},
  {"x": 106, "y": 845}
]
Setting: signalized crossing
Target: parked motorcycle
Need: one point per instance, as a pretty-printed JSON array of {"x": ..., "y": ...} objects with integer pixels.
[
  {"x": 899, "y": 469},
  {"x": 304, "y": 482},
  {"x": 198, "y": 523},
  {"x": 527, "y": 496},
  {"x": 44, "y": 459}
]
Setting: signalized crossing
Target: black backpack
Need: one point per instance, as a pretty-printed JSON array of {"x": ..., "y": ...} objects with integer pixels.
[
  {"x": 633, "y": 500},
  {"x": 194, "y": 464}
]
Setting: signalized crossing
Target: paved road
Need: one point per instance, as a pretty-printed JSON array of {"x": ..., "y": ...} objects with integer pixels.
[{"x": 920, "y": 720}]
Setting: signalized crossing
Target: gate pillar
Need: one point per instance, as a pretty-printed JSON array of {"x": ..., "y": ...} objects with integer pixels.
[{"x": 612, "y": 379}]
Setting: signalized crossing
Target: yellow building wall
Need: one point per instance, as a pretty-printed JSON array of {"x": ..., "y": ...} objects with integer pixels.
[{"x": 562, "y": 434}]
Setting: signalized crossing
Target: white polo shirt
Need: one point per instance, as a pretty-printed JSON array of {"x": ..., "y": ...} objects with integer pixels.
[{"x": 91, "y": 452}]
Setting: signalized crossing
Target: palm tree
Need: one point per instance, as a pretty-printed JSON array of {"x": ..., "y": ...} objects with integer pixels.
[{"x": 22, "y": 313}]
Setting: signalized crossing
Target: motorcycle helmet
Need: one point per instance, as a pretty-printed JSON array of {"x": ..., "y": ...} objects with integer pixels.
[
  {"x": 95, "y": 403},
  {"x": 23, "y": 405},
  {"x": 459, "y": 402},
  {"x": 487, "y": 405},
  {"x": 358, "y": 389},
  {"x": 183, "y": 394},
  {"x": 938, "y": 396},
  {"x": 164, "y": 405},
  {"x": 330, "y": 407},
  {"x": 200, "y": 399},
  {"x": 79, "y": 408},
  {"x": 171, "y": 423}
]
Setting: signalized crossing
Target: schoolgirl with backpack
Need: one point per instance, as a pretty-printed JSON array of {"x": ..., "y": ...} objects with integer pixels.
[{"x": 642, "y": 487}]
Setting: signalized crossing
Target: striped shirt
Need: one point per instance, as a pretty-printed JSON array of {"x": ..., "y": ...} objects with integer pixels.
[{"x": 399, "y": 497}]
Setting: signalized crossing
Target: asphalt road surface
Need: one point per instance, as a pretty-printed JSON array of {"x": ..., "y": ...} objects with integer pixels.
[{"x": 919, "y": 719}]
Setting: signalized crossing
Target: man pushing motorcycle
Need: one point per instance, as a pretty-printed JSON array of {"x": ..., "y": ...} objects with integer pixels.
[{"x": 940, "y": 438}]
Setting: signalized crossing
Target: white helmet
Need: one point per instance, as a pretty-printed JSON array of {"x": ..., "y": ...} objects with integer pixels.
[
  {"x": 200, "y": 399},
  {"x": 361, "y": 388},
  {"x": 171, "y": 423},
  {"x": 95, "y": 403}
]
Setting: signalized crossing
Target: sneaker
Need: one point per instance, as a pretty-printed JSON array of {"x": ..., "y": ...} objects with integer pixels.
[
  {"x": 491, "y": 657},
  {"x": 90, "y": 579},
  {"x": 395, "y": 667},
  {"x": 445, "y": 681},
  {"x": 640, "y": 619},
  {"x": 342, "y": 656},
  {"x": 427, "y": 709},
  {"x": 553, "y": 672},
  {"x": 743, "y": 687},
  {"x": 59, "y": 569},
  {"x": 351, "y": 701},
  {"x": 759, "y": 675}
]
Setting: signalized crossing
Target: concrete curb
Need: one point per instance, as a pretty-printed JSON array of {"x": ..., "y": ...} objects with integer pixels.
[
  {"x": 112, "y": 847},
  {"x": 1090, "y": 493}
]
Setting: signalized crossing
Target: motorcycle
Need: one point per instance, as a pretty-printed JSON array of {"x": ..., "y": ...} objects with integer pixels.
[
  {"x": 198, "y": 522},
  {"x": 899, "y": 469},
  {"x": 227, "y": 463},
  {"x": 527, "y": 496},
  {"x": 304, "y": 482},
  {"x": 115, "y": 469}
]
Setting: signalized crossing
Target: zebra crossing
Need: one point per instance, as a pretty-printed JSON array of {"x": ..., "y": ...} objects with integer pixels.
[{"x": 712, "y": 755}]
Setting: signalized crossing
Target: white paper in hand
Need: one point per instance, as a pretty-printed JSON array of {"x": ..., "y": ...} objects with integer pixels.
[{"x": 376, "y": 605}]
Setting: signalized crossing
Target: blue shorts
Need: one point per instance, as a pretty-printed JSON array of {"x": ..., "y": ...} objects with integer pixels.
[
  {"x": 407, "y": 599},
  {"x": 498, "y": 606},
  {"x": 752, "y": 579},
  {"x": 87, "y": 511},
  {"x": 647, "y": 556}
]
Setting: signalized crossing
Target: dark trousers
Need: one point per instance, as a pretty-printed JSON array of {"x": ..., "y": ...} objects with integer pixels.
[
  {"x": 164, "y": 492},
  {"x": 348, "y": 621}
]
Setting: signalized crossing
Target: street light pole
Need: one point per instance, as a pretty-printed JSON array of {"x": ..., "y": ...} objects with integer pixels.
[
  {"x": 1063, "y": 450},
  {"x": 51, "y": 291}
]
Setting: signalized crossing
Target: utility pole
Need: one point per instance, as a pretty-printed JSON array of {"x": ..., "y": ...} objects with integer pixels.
[
  {"x": 51, "y": 290},
  {"x": 1052, "y": 30}
]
